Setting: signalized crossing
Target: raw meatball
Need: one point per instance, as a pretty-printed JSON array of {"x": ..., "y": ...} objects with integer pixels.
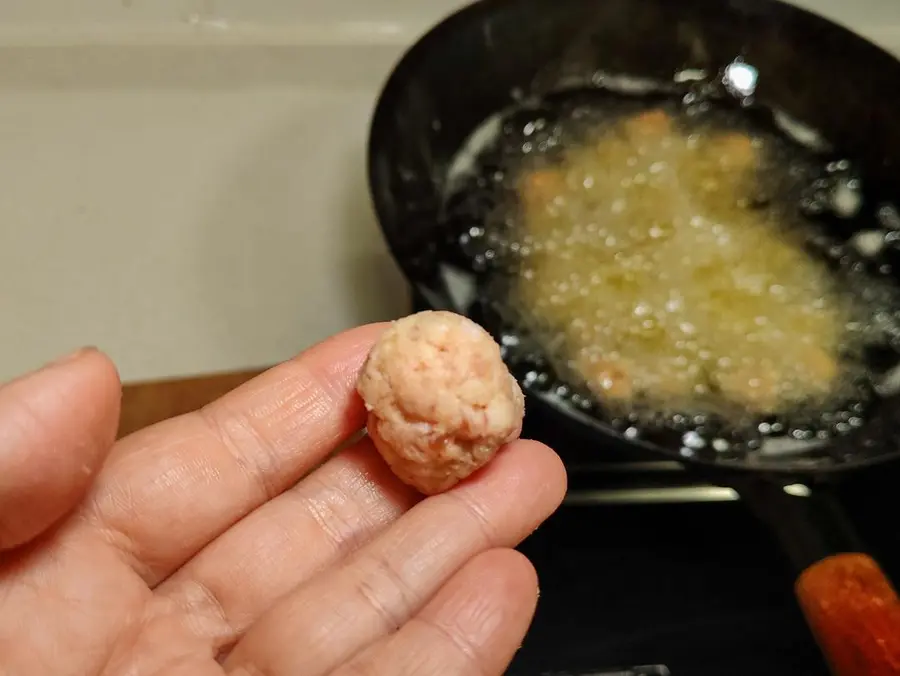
[{"x": 440, "y": 399}]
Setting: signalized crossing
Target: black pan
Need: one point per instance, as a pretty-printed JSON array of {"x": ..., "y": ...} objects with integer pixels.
[{"x": 496, "y": 53}]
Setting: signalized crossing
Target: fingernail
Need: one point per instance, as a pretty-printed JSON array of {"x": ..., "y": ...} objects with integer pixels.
[{"x": 72, "y": 356}]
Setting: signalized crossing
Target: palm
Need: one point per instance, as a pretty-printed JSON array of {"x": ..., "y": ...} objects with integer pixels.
[{"x": 218, "y": 542}]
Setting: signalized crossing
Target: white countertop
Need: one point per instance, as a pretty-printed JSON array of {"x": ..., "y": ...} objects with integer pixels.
[{"x": 183, "y": 182}]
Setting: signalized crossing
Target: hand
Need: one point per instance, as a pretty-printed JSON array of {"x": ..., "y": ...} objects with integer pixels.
[{"x": 223, "y": 542}]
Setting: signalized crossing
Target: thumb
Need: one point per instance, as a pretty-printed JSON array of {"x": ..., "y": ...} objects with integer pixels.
[{"x": 56, "y": 427}]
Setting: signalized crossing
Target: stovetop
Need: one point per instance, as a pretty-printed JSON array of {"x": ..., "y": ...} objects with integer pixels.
[
  {"x": 646, "y": 564},
  {"x": 699, "y": 587}
]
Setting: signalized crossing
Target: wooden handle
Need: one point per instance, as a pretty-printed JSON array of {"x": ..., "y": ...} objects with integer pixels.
[{"x": 854, "y": 613}]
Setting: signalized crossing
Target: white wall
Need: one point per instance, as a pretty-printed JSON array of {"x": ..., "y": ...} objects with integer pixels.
[
  {"x": 68, "y": 13},
  {"x": 203, "y": 208}
]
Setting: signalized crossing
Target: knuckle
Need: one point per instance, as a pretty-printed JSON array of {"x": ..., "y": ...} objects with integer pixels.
[
  {"x": 452, "y": 648},
  {"x": 475, "y": 514},
  {"x": 249, "y": 450},
  {"x": 335, "y": 512},
  {"x": 384, "y": 590}
]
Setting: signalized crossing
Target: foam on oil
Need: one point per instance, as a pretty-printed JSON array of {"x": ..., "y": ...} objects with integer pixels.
[{"x": 657, "y": 262}]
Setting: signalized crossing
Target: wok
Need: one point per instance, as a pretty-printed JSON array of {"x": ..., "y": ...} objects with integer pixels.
[{"x": 493, "y": 55}]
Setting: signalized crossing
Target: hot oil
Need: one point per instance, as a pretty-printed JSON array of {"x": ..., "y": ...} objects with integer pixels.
[{"x": 675, "y": 267}]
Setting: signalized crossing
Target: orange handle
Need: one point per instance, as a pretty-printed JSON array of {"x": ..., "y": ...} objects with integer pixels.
[{"x": 854, "y": 613}]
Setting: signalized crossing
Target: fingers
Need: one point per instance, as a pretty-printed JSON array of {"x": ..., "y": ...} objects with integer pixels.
[
  {"x": 473, "y": 625},
  {"x": 56, "y": 426},
  {"x": 342, "y": 611},
  {"x": 170, "y": 489},
  {"x": 328, "y": 515}
]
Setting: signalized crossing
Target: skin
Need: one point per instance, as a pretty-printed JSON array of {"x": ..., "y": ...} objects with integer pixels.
[{"x": 226, "y": 541}]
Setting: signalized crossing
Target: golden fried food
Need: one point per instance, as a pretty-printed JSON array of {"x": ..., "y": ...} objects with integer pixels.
[{"x": 658, "y": 283}]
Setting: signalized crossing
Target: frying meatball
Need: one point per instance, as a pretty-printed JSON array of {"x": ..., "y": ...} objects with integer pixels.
[
  {"x": 541, "y": 187},
  {"x": 440, "y": 399},
  {"x": 653, "y": 124}
]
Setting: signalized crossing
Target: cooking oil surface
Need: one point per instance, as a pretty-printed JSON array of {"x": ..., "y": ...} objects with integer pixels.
[{"x": 680, "y": 268}]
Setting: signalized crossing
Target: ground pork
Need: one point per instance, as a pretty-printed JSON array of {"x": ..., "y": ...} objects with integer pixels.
[{"x": 440, "y": 399}]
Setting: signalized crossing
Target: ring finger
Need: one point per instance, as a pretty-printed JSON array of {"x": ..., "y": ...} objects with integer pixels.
[
  {"x": 473, "y": 625},
  {"x": 342, "y": 611}
]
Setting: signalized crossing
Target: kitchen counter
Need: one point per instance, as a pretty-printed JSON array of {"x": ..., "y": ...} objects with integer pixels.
[
  {"x": 183, "y": 183},
  {"x": 146, "y": 403}
]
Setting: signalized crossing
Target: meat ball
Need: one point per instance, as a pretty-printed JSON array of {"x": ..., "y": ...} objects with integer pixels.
[
  {"x": 758, "y": 390},
  {"x": 736, "y": 151},
  {"x": 609, "y": 378},
  {"x": 541, "y": 187},
  {"x": 765, "y": 389},
  {"x": 651, "y": 125},
  {"x": 441, "y": 401}
]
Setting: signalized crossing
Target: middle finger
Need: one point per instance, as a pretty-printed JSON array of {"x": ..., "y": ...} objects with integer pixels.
[{"x": 339, "y": 507}]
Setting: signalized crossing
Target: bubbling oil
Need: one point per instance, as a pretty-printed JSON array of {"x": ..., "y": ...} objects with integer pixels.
[
  {"x": 657, "y": 260},
  {"x": 665, "y": 291}
]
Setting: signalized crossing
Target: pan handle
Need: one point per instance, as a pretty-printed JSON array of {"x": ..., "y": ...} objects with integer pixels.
[
  {"x": 854, "y": 613},
  {"x": 848, "y": 601}
]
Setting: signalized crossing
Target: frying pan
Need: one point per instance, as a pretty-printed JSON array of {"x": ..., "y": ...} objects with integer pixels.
[{"x": 495, "y": 53}]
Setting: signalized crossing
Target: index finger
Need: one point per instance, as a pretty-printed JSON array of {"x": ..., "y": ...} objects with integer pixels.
[
  {"x": 56, "y": 426},
  {"x": 170, "y": 489}
]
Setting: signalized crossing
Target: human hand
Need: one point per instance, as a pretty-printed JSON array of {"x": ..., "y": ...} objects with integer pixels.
[{"x": 219, "y": 543}]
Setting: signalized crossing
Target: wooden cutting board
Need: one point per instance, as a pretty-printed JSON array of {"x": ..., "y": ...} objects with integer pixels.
[{"x": 146, "y": 403}]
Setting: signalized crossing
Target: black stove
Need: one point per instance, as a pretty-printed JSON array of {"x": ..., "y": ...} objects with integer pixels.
[
  {"x": 643, "y": 565},
  {"x": 647, "y": 571}
]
